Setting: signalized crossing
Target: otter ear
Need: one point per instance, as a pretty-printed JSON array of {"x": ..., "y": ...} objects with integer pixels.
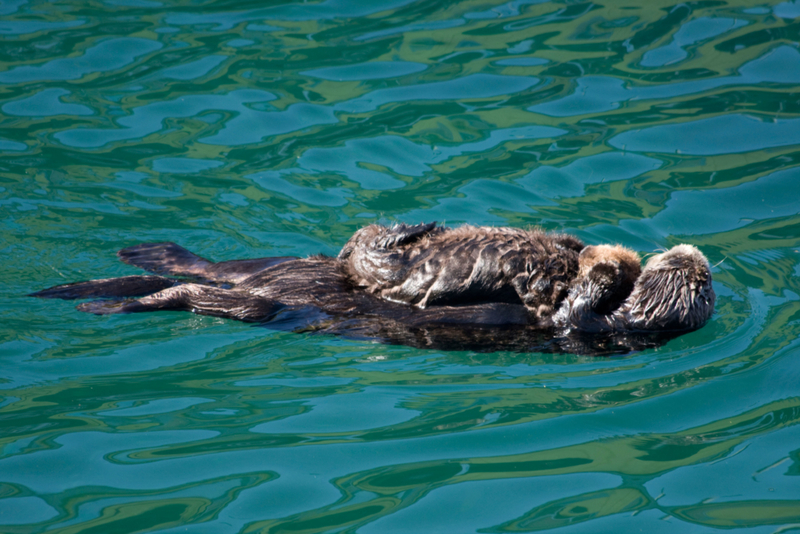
[{"x": 346, "y": 252}]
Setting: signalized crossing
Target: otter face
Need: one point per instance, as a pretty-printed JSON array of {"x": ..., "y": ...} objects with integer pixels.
[{"x": 673, "y": 292}]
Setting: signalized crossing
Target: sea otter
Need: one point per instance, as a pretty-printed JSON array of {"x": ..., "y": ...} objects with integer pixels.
[
  {"x": 672, "y": 293},
  {"x": 393, "y": 280},
  {"x": 428, "y": 265}
]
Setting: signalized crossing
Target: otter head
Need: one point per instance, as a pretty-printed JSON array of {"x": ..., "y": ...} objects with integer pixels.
[{"x": 673, "y": 293}]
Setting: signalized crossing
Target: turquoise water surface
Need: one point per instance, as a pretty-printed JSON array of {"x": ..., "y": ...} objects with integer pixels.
[{"x": 250, "y": 129}]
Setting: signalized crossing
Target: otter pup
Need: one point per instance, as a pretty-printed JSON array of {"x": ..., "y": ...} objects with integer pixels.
[
  {"x": 594, "y": 289},
  {"x": 426, "y": 265}
]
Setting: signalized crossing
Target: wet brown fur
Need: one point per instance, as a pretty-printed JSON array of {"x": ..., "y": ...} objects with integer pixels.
[
  {"x": 409, "y": 284},
  {"x": 672, "y": 293},
  {"x": 613, "y": 270},
  {"x": 425, "y": 265}
]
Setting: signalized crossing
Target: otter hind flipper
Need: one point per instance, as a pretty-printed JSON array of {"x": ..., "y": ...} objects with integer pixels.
[
  {"x": 125, "y": 286},
  {"x": 165, "y": 258},
  {"x": 171, "y": 259},
  {"x": 403, "y": 234}
]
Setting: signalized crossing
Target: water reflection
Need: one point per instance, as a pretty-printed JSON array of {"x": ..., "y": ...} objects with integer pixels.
[
  {"x": 692, "y": 32},
  {"x": 725, "y": 134},
  {"x": 596, "y": 94},
  {"x": 45, "y": 103},
  {"x": 107, "y": 55},
  {"x": 366, "y": 71},
  {"x": 149, "y": 118}
]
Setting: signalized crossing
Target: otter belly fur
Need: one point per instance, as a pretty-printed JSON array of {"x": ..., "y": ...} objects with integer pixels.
[{"x": 392, "y": 282}]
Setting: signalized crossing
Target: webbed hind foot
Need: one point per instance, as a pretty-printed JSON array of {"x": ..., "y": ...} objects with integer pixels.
[
  {"x": 125, "y": 286},
  {"x": 172, "y": 259},
  {"x": 165, "y": 258}
]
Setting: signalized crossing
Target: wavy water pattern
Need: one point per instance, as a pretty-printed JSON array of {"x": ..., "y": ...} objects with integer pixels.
[{"x": 250, "y": 129}]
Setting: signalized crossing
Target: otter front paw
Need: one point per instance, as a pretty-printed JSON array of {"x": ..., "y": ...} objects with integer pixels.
[{"x": 606, "y": 288}]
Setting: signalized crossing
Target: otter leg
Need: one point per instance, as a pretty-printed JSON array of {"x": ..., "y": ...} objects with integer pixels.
[
  {"x": 171, "y": 259},
  {"x": 125, "y": 286},
  {"x": 200, "y": 299}
]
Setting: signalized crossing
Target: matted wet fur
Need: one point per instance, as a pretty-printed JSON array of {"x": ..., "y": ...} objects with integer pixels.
[
  {"x": 672, "y": 293},
  {"x": 426, "y": 265},
  {"x": 605, "y": 306}
]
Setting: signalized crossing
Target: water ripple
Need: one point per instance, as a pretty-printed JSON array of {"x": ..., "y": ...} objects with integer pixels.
[
  {"x": 107, "y": 55},
  {"x": 595, "y": 94},
  {"x": 260, "y": 130}
]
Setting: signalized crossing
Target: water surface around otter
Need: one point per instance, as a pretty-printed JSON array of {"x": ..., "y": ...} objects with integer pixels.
[{"x": 255, "y": 130}]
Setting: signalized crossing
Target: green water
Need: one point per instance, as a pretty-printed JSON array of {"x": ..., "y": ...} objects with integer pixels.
[{"x": 250, "y": 129}]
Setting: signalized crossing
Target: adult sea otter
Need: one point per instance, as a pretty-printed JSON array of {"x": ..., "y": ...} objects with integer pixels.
[{"x": 468, "y": 287}]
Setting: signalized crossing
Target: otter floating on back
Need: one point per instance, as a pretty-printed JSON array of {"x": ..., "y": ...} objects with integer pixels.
[{"x": 468, "y": 287}]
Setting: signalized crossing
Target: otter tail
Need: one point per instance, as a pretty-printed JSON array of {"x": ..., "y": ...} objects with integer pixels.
[
  {"x": 125, "y": 286},
  {"x": 174, "y": 260}
]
